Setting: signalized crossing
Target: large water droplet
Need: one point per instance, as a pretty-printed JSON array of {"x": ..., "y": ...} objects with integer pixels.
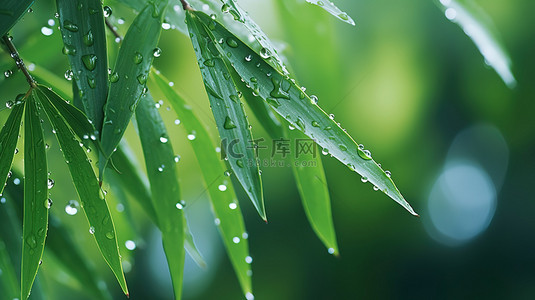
[
  {"x": 130, "y": 245},
  {"x": 229, "y": 124},
  {"x": 90, "y": 61},
  {"x": 232, "y": 42},
  {"x": 88, "y": 38},
  {"x": 48, "y": 203},
  {"x": 70, "y": 26},
  {"x": 114, "y": 77},
  {"x": 265, "y": 53},
  {"x": 107, "y": 11},
  {"x": 138, "y": 58},
  {"x": 110, "y": 235},
  {"x": 69, "y": 49}
]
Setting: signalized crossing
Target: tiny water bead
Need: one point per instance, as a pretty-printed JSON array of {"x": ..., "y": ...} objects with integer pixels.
[
  {"x": 110, "y": 235},
  {"x": 375, "y": 188},
  {"x": 163, "y": 139},
  {"x": 248, "y": 259},
  {"x": 160, "y": 168},
  {"x": 16, "y": 181},
  {"x": 90, "y": 61},
  {"x": 248, "y": 58},
  {"x": 46, "y": 31},
  {"x": 314, "y": 99},
  {"x": 50, "y": 183},
  {"x": 248, "y": 295},
  {"x": 388, "y": 173},
  {"x": 107, "y": 11},
  {"x": 331, "y": 116},
  {"x": 70, "y": 26},
  {"x": 157, "y": 52},
  {"x": 233, "y": 205},
  {"x": 48, "y": 203},
  {"x": 72, "y": 207},
  {"x": 217, "y": 221},
  {"x": 9, "y": 105},
  {"x": 177, "y": 158},
  {"x": 364, "y": 179},
  {"x": 68, "y": 75},
  {"x": 179, "y": 205},
  {"x": 92, "y": 230},
  {"x": 222, "y": 187},
  {"x": 177, "y": 122},
  {"x": 8, "y": 73},
  {"x": 330, "y": 250},
  {"x": 138, "y": 58},
  {"x": 265, "y": 53},
  {"x": 191, "y": 136},
  {"x": 166, "y": 26},
  {"x": 235, "y": 240}
]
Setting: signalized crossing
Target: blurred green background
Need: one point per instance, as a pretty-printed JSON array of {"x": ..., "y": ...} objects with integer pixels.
[{"x": 408, "y": 84}]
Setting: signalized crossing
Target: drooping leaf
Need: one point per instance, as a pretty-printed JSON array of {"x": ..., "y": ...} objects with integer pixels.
[
  {"x": 161, "y": 170},
  {"x": 87, "y": 186},
  {"x": 473, "y": 21},
  {"x": 8, "y": 142},
  {"x": 302, "y": 111},
  {"x": 136, "y": 184},
  {"x": 36, "y": 202},
  {"x": 84, "y": 39},
  {"x": 10, "y": 12},
  {"x": 128, "y": 79},
  {"x": 333, "y": 10},
  {"x": 229, "y": 219},
  {"x": 312, "y": 185},
  {"x": 229, "y": 115},
  {"x": 307, "y": 169}
]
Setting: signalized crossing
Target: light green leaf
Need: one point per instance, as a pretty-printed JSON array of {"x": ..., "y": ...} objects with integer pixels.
[
  {"x": 10, "y": 12},
  {"x": 36, "y": 205},
  {"x": 136, "y": 184},
  {"x": 289, "y": 101},
  {"x": 333, "y": 10},
  {"x": 229, "y": 115},
  {"x": 475, "y": 25},
  {"x": 88, "y": 189},
  {"x": 84, "y": 39},
  {"x": 229, "y": 219},
  {"x": 8, "y": 142},
  {"x": 161, "y": 170},
  {"x": 130, "y": 75}
]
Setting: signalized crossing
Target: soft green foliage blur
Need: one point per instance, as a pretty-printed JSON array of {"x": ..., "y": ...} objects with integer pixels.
[{"x": 404, "y": 82}]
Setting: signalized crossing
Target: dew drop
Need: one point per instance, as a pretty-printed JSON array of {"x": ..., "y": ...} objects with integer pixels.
[
  {"x": 110, "y": 235},
  {"x": 330, "y": 250},
  {"x": 107, "y": 11},
  {"x": 9, "y": 105},
  {"x": 222, "y": 187},
  {"x": 191, "y": 136},
  {"x": 179, "y": 205},
  {"x": 313, "y": 99},
  {"x": 229, "y": 124},
  {"x": 90, "y": 61},
  {"x": 72, "y": 207},
  {"x": 92, "y": 230},
  {"x": 157, "y": 52},
  {"x": 69, "y": 49},
  {"x": 248, "y": 58},
  {"x": 233, "y": 205},
  {"x": 236, "y": 240},
  {"x": 138, "y": 58},
  {"x": 50, "y": 183},
  {"x": 114, "y": 77},
  {"x": 70, "y": 26},
  {"x": 225, "y": 8},
  {"x": 130, "y": 245},
  {"x": 248, "y": 259},
  {"x": 177, "y": 122},
  {"x": 46, "y": 31},
  {"x": 8, "y": 73},
  {"x": 265, "y": 53},
  {"x": 388, "y": 173},
  {"x": 177, "y": 158},
  {"x": 48, "y": 203},
  {"x": 364, "y": 179}
]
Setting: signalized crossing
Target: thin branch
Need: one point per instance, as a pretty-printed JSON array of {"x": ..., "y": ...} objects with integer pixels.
[
  {"x": 185, "y": 5},
  {"x": 18, "y": 61},
  {"x": 113, "y": 30}
]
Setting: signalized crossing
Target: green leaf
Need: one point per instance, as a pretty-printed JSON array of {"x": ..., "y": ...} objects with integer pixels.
[
  {"x": 471, "y": 18},
  {"x": 312, "y": 185},
  {"x": 333, "y": 10},
  {"x": 84, "y": 39},
  {"x": 9, "y": 283},
  {"x": 11, "y": 12},
  {"x": 161, "y": 170},
  {"x": 62, "y": 246},
  {"x": 229, "y": 219},
  {"x": 228, "y": 112},
  {"x": 88, "y": 189},
  {"x": 35, "y": 220},
  {"x": 130, "y": 74},
  {"x": 289, "y": 101},
  {"x": 8, "y": 142}
]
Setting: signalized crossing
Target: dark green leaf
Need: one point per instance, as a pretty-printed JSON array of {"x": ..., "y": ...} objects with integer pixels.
[
  {"x": 328, "y": 6},
  {"x": 289, "y": 101},
  {"x": 9, "y": 284},
  {"x": 161, "y": 170},
  {"x": 8, "y": 142},
  {"x": 130, "y": 74},
  {"x": 36, "y": 202},
  {"x": 84, "y": 39},
  {"x": 225, "y": 205},
  {"x": 88, "y": 189},
  {"x": 229, "y": 115},
  {"x": 10, "y": 12}
]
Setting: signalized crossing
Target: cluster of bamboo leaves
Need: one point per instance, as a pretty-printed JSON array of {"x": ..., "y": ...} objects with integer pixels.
[{"x": 235, "y": 70}]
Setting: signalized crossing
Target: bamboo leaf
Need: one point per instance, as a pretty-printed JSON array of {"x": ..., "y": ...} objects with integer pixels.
[
  {"x": 161, "y": 170},
  {"x": 476, "y": 26},
  {"x": 8, "y": 142},
  {"x": 229, "y": 115},
  {"x": 10, "y": 12},
  {"x": 228, "y": 216},
  {"x": 88, "y": 189},
  {"x": 312, "y": 185},
  {"x": 328, "y": 6},
  {"x": 302, "y": 111},
  {"x": 36, "y": 203},
  {"x": 84, "y": 39},
  {"x": 130, "y": 75}
]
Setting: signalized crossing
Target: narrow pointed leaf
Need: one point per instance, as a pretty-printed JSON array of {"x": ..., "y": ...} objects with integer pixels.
[
  {"x": 128, "y": 79},
  {"x": 289, "y": 101},
  {"x": 8, "y": 142},
  {"x": 307, "y": 170},
  {"x": 35, "y": 220},
  {"x": 161, "y": 170},
  {"x": 312, "y": 185},
  {"x": 10, "y": 13},
  {"x": 472, "y": 20},
  {"x": 229, "y": 219},
  {"x": 229, "y": 115},
  {"x": 328, "y": 6},
  {"x": 84, "y": 39},
  {"x": 88, "y": 189},
  {"x": 136, "y": 183}
]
